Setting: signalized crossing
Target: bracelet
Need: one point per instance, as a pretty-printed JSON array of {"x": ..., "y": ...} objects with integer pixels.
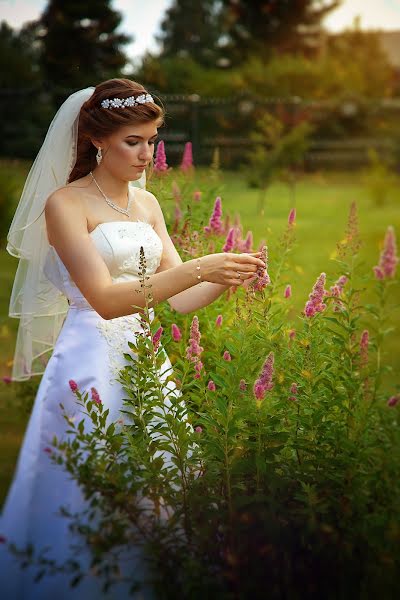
[{"x": 198, "y": 270}]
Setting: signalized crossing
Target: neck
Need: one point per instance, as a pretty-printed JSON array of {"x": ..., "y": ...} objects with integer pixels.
[{"x": 114, "y": 188}]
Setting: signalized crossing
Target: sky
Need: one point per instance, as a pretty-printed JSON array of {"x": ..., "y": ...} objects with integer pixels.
[{"x": 142, "y": 18}]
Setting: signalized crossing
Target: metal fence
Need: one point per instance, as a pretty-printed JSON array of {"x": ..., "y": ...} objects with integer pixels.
[{"x": 345, "y": 129}]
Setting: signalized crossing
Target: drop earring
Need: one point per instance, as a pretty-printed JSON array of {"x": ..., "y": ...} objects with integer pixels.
[{"x": 99, "y": 156}]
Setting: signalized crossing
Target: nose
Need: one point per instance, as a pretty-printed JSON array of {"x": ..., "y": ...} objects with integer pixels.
[{"x": 146, "y": 152}]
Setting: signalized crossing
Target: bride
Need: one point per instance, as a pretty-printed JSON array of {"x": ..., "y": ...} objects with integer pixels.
[{"x": 81, "y": 221}]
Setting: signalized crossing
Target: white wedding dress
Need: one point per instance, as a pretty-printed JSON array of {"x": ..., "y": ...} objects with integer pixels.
[{"x": 88, "y": 350}]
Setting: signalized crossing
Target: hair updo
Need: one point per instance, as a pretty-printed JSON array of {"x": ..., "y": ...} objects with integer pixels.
[{"x": 97, "y": 122}]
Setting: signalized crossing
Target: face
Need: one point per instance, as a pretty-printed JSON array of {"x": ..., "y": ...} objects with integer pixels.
[{"x": 129, "y": 151}]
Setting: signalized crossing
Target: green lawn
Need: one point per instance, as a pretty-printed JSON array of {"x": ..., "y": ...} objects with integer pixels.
[{"x": 322, "y": 207}]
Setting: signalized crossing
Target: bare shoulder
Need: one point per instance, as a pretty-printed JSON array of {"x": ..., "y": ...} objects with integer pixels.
[
  {"x": 64, "y": 207},
  {"x": 149, "y": 205}
]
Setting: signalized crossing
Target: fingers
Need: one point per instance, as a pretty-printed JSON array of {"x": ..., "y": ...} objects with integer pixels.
[{"x": 249, "y": 259}]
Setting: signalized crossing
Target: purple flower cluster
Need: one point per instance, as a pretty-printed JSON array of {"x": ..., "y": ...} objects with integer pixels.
[{"x": 176, "y": 333}]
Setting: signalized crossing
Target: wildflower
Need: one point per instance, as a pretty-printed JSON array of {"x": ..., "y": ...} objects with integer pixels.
[
  {"x": 218, "y": 321},
  {"x": 47, "y": 450},
  {"x": 230, "y": 241},
  {"x": 187, "y": 159},
  {"x": 73, "y": 385},
  {"x": 393, "y": 400},
  {"x": 178, "y": 213},
  {"x": 227, "y": 356},
  {"x": 211, "y": 386},
  {"x": 7, "y": 379},
  {"x": 264, "y": 382},
  {"x": 198, "y": 429},
  {"x": 288, "y": 291},
  {"x": 227, "y": 224},
  {"x": 315, "y": 304},
  {"x": 215, "y": 224},
  {"x": 388, "y": 259},
  {"x": 292, "y": 217},
  {"x": 176, "y": 333},
  {"x": 95, "y": 395},
  {"x": 262, "y": 279},
  {"x": 160, "y": 163},
  {"x": 156, "y": 338},
  {"x": 294, "y": 389},
  {"x": 194, "y": 349},
  {"x": 242, "y": 385},
  {"x": 197, "y": 196},
  {"x": 292, "y": 334},
  {"x": 351, "y": 242},
  {"x": 364, "y": 341},
  {"x": 337, "y": 288}
]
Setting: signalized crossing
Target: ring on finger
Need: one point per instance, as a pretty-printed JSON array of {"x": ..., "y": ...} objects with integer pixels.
[{"x": 239, "y": 275}]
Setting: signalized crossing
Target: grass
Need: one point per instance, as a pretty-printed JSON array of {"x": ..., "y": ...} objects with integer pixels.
[{"x": 322, "y": 204}]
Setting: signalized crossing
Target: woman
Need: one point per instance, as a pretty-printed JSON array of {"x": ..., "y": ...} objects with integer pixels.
[{"x": 77, "y": 231}]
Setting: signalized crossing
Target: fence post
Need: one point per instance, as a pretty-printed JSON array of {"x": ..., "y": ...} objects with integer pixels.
[{"x": 194, "y": 100}]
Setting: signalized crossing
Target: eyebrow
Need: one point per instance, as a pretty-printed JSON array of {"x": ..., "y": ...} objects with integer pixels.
[{"x": 140, "y": 137}]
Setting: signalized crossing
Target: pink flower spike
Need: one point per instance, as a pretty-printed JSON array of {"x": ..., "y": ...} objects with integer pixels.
[
  {"x": 160, "y": 164},
  {"x": 187, "y": 159},
  {"x": 47, "y": 450},
  {"x": 364, "y": 341},
  {"x": 215, "y": 224},
  {"x": 393, "y": 400},
  {"x": 95, "y": 395},
  {"x": 176, "y": 333},
  {"x": 156, "y": 338},
  {"x": 242, "y": 385},
  {"x": 314, "y": 303},
  {"x": 264, "y": 382},
  {"x": 211, "y": 386},
  {"x": 198, "y": 429},
  {"x": 227, "y": 356},
  {"x": 73, "y": 385},
  {"x": 292, "y": 217},
  {"x": 294, "y": 389},
  {"x": 218, "y": 321},
  {"x": 7, "y": 379},
  {"x": 388, "y": 259},
  {"x": 230, "y": 241},
  {"x": 292, "y": 334},
  {"x": 248, "y": 243},
  {"x": 197, "y": 196},
  {"x": 288, "y": 291}
]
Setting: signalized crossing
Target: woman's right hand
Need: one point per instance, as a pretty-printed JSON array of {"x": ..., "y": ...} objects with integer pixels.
[{"x": 224, "y": 267}]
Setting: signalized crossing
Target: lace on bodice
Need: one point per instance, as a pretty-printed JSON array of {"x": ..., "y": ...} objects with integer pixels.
[{"x": 118, "y": 242}]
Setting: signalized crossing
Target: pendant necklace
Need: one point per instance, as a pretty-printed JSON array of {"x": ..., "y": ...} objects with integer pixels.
[{"x": 126, "y": 210}]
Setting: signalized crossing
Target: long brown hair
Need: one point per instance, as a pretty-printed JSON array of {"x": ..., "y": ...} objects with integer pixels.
[{"x": 97, "y": 122}]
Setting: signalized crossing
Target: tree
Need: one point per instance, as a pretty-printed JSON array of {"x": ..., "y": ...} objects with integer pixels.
[
  {"x": 80, "y": 45},
  {"x": 191, "y": 29},
  {"x": 260, "y": 26}
]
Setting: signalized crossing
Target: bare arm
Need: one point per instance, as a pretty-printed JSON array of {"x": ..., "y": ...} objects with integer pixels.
[{"x": 67, "y": 223}]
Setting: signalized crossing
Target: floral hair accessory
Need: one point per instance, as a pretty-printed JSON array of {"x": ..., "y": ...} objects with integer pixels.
[{"x": 122, "y": 102}]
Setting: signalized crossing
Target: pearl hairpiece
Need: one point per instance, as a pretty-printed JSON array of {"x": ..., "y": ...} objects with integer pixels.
[{"x": 122, "y": 102}]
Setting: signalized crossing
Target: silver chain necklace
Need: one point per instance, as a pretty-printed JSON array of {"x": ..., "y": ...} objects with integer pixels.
[{"x": 126, "y": 210}]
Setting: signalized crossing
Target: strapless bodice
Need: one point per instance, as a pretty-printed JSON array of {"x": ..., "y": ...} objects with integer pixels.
[{"x": 118, "y": 243}]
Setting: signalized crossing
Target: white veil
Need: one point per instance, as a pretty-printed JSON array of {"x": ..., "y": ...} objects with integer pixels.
[{"x": 39, "y": 305}]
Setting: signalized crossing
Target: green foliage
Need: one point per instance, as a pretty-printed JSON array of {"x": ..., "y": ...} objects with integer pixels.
[
  {"x": 296, "y": 492},
  {"x": 275, "y": 152},
  {"x": 379, "y": 179}
]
